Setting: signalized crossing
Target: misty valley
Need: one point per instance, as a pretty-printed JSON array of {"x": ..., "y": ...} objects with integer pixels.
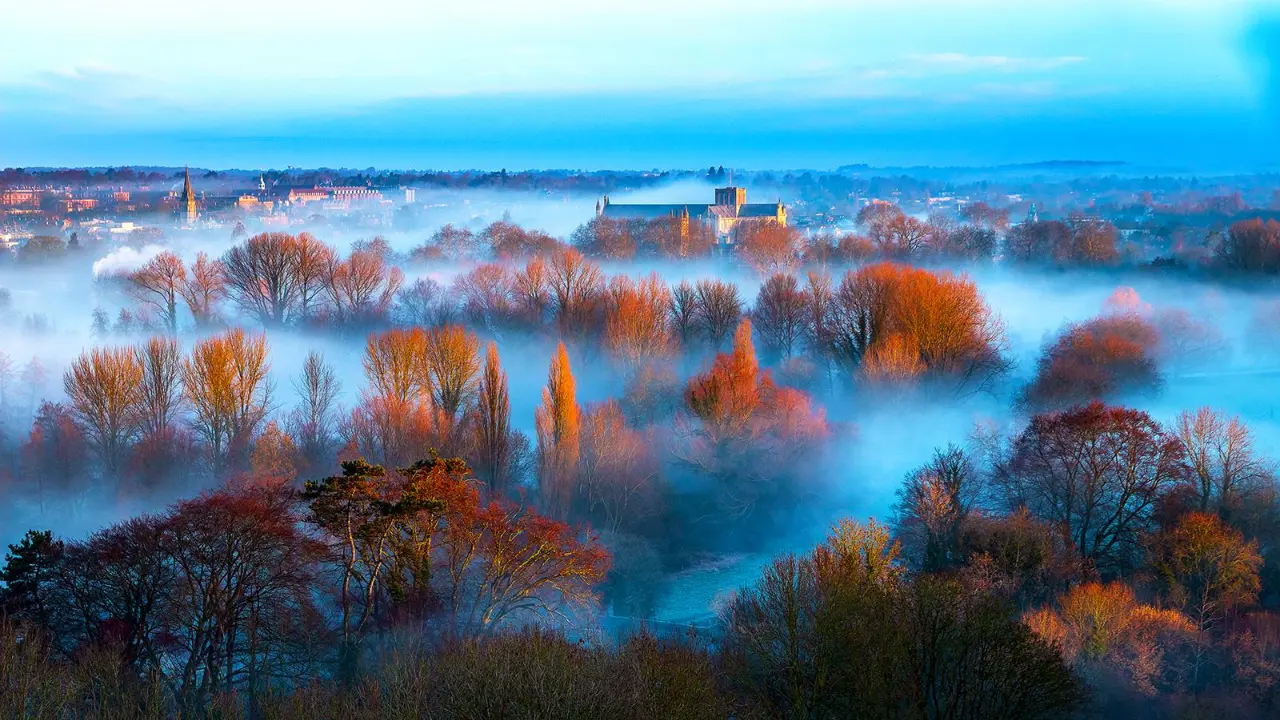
[{"x": 970, "y": 443}]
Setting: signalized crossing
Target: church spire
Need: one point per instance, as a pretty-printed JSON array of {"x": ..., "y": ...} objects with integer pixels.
[{"x": 189, "y": 198}]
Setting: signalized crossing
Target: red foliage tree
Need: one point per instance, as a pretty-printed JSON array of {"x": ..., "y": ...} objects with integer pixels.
[{"x": 1099, "y": 359}]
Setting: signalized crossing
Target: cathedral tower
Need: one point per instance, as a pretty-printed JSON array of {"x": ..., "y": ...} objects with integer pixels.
[{"x": 189, "y": 199}]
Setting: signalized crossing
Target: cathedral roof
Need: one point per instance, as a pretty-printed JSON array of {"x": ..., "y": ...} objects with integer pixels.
[
  {"x": 758, "y": 210},
  {"x": 652, "y": 212}
]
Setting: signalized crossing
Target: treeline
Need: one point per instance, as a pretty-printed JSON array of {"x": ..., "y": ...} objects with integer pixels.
[
  {"x": 979, "y": 234},
  {"x": 19, "y": 177},
  {"x": 841, "y": 632},
  {"x": 1093, "y": 562},
  {"x": 256, "y": 588},
  {"x": 883, "y": 313},
  {"x": 597, "y": 182},
  {"x": 1144, "y": 552}
]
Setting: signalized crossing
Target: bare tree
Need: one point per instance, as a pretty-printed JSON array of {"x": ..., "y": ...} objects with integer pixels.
[
  {"x": 486, "y": 295},
  {"x": 204, "y": 289},
  {"x": 575, "y": 284},
  {"x": 450, "y": 362},
  {"x": 1097, "y": 471},
  {"x": 719, "y": 308},
  {"x": 159, "y": 283},
  {"x": 893, "y": 232},
  {"x": 614, "y": 239},
  {"x": 262, "y": 276},
  {"x": 314, "y": 419},
  {"x": 499, "y": 449},
  {"x": 819, "y": 331},
  {"x": 454, "y": 242},
  {"x": 932, "y": 506},
  {"x": 684, "y": 311},
  {"x": 426, "y": 304},
  {"x": 531, "y": 291},
  {"x": 161, "y": 385},
  {"x": 315, "y": 259},
  {"x": 363, "y": 287},
  {"x": 618, "y": 473},
  {"x": 225, "y": 382},
  {"x": 1251, "y": 246},
  {"x": 780, "y": 315},
  {"x": 7, "y": 374},
  {"x": 104, "y": 387},
  {"x": 1222, "y": 465}
]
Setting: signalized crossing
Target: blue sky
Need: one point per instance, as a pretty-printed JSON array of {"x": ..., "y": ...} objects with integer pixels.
[{"x": 661, "y": 83}]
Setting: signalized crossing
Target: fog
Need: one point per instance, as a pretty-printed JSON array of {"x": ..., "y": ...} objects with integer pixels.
[{"x": 877, "y": 438}]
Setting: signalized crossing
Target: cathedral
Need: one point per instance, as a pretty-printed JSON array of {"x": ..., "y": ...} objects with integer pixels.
[{"x": 729, "y": 209}]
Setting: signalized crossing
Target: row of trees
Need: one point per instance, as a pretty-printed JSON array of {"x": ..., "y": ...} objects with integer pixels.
[
  {"x": 275, "y": 278},
  {"x": 880, "y": 324},
  {"x": 881, "y": 321}
]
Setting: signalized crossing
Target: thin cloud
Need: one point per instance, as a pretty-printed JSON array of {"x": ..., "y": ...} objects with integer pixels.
[{"x": 961, "y": 62}]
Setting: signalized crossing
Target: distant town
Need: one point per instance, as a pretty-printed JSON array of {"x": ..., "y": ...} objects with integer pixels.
[{"x": 1158, "y": 214}]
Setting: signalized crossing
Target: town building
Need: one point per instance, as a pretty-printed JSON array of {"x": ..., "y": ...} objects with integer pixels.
[
  {"x": 302, "y": 196},
  {"x": 729, "y": 209},
  {"x": 20, "y": 197}
]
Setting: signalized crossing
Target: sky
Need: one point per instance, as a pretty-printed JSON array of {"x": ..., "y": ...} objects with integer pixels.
[{"x": 439, "y": 84}]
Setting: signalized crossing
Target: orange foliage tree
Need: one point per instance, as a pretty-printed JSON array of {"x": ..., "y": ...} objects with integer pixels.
[
  {"x": 449, "y": 366},
  {"x": 1106, "y": 633},
  {"x": 394, "y": 421},
  {"x": 1206, "y": 567},
  {"x": 745, "y": 432},
  {"x": 558, "y": 422},
  {"x": 226, "y": 385},
  {"x": 636, "y": 316},
  {"x": 104, "y": 386},
  {"x": 897, "y": 322},
  {"x": 767, "y": 246},
  {"x": 274, "y": 460},
  {"x": 422, "y": 540}
]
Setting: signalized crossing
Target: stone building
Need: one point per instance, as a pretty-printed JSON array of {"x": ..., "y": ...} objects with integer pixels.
[{"x": 729, "y": 209}]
